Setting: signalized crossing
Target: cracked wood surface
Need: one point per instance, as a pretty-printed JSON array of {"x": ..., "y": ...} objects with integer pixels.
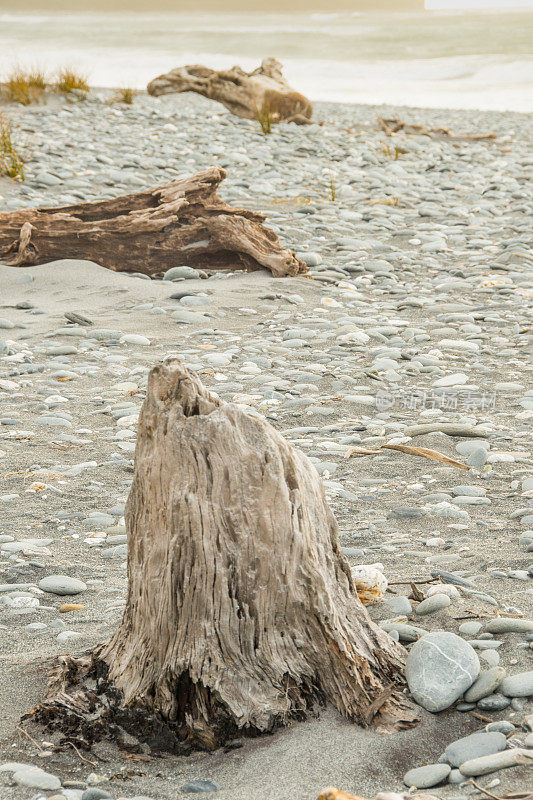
[
  {"x": 181, "y": 223},
  {"x": 246, "y": 94}
]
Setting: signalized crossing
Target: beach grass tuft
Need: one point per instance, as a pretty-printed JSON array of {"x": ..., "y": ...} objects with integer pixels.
[
  {"x": 11, "y": 161},
  {"x": 68, "y": 81},
  {"x": 25, "y": 86},
  {"x": 124, "y": 95},
  {"x": 392, "y": 152}
]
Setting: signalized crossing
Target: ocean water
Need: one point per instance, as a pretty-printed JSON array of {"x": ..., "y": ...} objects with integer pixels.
[{"x": 427, "y": 59}]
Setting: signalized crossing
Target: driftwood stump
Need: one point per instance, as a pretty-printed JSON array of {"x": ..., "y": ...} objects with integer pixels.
[
  {"x": 182, "y": 223},
  {"x": 245, "y": 94},
  {"x": 240, "y": 609}
]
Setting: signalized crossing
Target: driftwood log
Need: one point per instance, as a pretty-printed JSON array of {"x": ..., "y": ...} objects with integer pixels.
[
  {"x": 182, "y": 223},
  {"x": 396, "y": 125},
  {"x": 264, "y": 91},
  {"x": 241, "y": 610}
]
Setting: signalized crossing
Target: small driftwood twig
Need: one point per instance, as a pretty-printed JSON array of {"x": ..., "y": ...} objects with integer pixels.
[{"x": 424, "y": 452}]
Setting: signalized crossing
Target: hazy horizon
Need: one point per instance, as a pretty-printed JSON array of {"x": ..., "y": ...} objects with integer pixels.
[
  {"x": 394, "y": 53},
  {"x": 241, "y": 6},
  {"x": 325, "y": 7}
]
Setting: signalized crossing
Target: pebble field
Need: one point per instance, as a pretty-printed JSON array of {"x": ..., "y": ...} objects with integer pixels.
[{"x": 413, "y": 328}]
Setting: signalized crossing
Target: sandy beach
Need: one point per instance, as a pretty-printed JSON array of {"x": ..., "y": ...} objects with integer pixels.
[{"x": 417, "y": 309}]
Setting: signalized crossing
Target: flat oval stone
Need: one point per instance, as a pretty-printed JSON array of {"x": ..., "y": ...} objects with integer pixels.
[
  {"x": 509, "y": 625},
  {"x": 474, "y": 746},
  {"x": 520, "y": 685},
  {"x": 134, "y": 338},
  {"x": 493, "y": 702},
  {"x": 432, "y": 604},
  {"x": 36, "y": 778},
  {"x": 197, "y": 786},
  {"x": 424, "y": 777},
  {"x": 406, "y": 633},
  {"x": 487, "y": 764},
  {"x": 485, "y": 685},
  {"x": 62, "y": 585},
  {"x": 55, "y": 422},
  {"x": 180, "y": 273}
]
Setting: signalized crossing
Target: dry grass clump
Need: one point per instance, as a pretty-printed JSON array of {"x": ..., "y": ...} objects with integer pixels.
[
  {"x": 11, "y": 161},
  {"x": 392, "y": 152},
  {"x": 68, "y": 80},
  {"x": 25, "y": 86},
  {"x": 124, "y": 95}
]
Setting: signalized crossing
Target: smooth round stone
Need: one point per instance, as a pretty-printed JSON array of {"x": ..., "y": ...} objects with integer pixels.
[
  {"x": 454, "y": 668},
  {"x": 485, "y": 644},
  {"x": 474, "y": 746},
  {"x": 93, "y": 793},
  {"x": 526, "y": 538},
  {"x": 465, "y": 706},
  {"x": 98, "y": 520},
  {"x": 62, "y": 350},
  {"x": 519, "y": 685},
  {"x": 65, "y": 636},
  {"x": 197, "y": 786},
  {"x": 469, "y": 491},
  {"x": 477, "y": 458},
  {"x": 311, "y": 259},
  {"x": 195, "y": 300},
  {"x": 432, "y": 604},
  {"x": 180, "y": 273},
  {"x": 508, "y": 387},
  {"x": 36, "y": 626},
  {"x": 406, "y": 513},
  {"x": 134, "y": 338},
  {"x": 494, "y": 762},
  {"x": 494, "y": 702},
  {"x": 456, "y": 776},
  {"x": 35, "y": 778},
  {"x": 119, "y": 551},
  {"x": 117, "y": 511},
  {"x": 509, "y": 625},
  {"x": 470, "y": 628},
  {"x": 399, "y": 604},
  {"x": 467, "y": 447},
  {"x": 102, "y": 334},
  {"x": 485, "y": 685},
  {"x": 406, "y": 633},
  {"x": 503, "y": 726},
  {"x": 62, "y": 585},
  {"x": 185, "y": 317},
  {"x": 457, "y": 379},
  {"x": 54, "y": 422},
  {"x": 424, "y": 777},
  {"x": 443, "y": 588},
  {"x": 449, "y": 511}
]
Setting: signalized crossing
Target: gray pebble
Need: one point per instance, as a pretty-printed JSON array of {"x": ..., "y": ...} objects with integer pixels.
[{"x": 425, "y": 777}]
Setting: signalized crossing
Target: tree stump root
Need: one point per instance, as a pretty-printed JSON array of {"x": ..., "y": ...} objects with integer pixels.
[{"x": 241, "y": 613}]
